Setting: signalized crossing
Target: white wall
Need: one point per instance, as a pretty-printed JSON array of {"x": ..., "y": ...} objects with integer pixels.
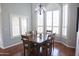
[
  {"x": 72, "y": 13},
  {"x": 34, "y": 20},
  {"x": 0, "y": 29},
  {"x": 16, "y": 9},
  {"x": 52, "y": 6}
]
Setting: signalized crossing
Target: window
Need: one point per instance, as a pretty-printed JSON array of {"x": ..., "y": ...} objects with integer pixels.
[
  {"x": 49, "y": 21},
  {"x": 15, "y": 26},
  {"x": 40, "y": 23},
  {"x": 19, "y": 25},
  {"x": 56, "y": 21},
  {"x": 23, "y": 25},
  {"x": 65, "y": 18},
  {"x": 52, "y": 22}
]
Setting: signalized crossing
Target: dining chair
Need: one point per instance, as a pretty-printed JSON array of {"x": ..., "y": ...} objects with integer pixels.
[
  {"x": 24, "y": 37},
  {"x": 35, "y": 49},
  {"x": 47, "y": 46},
  {"x": 30, "y": 46},
  {"x": 48, "y": 32}
]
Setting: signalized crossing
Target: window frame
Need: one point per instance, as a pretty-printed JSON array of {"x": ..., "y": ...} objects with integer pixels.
[{"x": 20, "y": 30}]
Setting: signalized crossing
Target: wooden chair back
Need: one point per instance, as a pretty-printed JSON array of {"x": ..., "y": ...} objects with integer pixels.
[
  {"x": 47, "y": 46},
  {"x": 48, "y": 31},
  {"x": 24, "y": 37},
  {"x": 30, "y": 46}
]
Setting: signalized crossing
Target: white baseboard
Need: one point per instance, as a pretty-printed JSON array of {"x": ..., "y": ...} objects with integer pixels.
[
  {"x": 21, "y": 42},
  {"x": 11, "y": 45},
  {"x": 64, "y": 44}
]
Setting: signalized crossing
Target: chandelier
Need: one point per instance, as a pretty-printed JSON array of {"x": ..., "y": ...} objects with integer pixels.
[{"x": 40, "y": 9}]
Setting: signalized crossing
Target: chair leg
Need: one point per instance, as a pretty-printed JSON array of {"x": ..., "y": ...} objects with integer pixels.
[
  {"x": 45, "y": 52},
  {"x": 53, "y": 46},
  {"x": 50, "y": 51},
  {"x": 24, "y": 51}
]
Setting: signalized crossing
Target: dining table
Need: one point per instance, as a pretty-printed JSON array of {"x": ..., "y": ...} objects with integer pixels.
[{"x": 39, "y": 41}]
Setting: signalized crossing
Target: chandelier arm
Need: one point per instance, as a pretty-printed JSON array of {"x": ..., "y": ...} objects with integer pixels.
[{"x": 40, "y": 9}]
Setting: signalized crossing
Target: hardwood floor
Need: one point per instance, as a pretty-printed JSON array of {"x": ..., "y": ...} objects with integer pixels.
[{"x": 59, "y": 50}]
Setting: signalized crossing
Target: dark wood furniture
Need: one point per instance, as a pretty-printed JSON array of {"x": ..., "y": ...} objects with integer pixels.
[
  {"x": 47, "y": 46},
  {"x": 37, "y": 43},
  {"x": 48, "y": 32},
  {"x": 30, "y": 46}
]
